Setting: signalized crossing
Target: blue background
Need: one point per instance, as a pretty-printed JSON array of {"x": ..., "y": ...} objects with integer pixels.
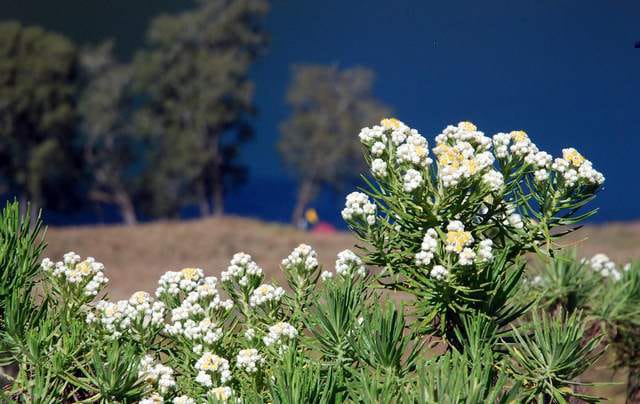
[{"x": 564, "y": 71}]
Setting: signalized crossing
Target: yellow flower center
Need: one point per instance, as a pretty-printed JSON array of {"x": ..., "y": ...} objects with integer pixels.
[
  {"x": 190, "y": 273},
  {"x": 449, "y": 156},
  {"x": 468, "y": 126},
  {"x": 458, "y": 239},
  {"x": 421, "y": 151},
  {"x": 84, "y": 268},
  {"x": 109, "y": 311},
  {"x": 220, "y": 393},
  {"x": 574, "y": 157},
  {"x": 139, "y": 297},
  {"x": 471, "y": 166},
  {"x": 390, "y": 123},
  {"x": 519, "y": 135}
]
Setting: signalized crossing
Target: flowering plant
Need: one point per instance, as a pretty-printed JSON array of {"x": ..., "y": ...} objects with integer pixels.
[{"x": 449, "y": 231}]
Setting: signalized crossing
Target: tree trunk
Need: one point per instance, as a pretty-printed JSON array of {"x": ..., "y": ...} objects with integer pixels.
[
  {"x": 203, "y": 206},
  {"x": 217, "y": 185},
  {"x": 306, "y": 190},
  {"x": 633, "y": 385},
  {"x": 127, "y": 210}
]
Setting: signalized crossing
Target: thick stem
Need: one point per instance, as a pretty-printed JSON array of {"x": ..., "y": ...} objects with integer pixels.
[
  {"x": 633, "y": 385},
  {"x": 306, "y": 191},
  {"x": 127, "y": 210},
  {"x": 217, "y": 185}
]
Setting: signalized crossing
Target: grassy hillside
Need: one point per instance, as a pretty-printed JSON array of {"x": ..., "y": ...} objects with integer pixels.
[{"x": 135, "y": 257}]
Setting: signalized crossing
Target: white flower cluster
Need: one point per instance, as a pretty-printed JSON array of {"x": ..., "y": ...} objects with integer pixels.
[
  {"x": 601, "y": 264},
  {"x": 394, "y": 143},
  {"x": 265, "y": 293},
  {"x": 156, "y": 374},
  {"x": 439, "y": 273},
  {"x": 575, "y": 169},
  {"x": 485, "y": 251},
  {"x": 277, "y": 332},
  {"x": 348, "y": 264},
  {"x": 494, "y": 179},
  {"x": 137, "y": 313},
  {"x": 462, "y": 151},
  {"x": 185, "y": 281},
  {"x": 184, "y": 399},
  {"x": 210, "y": 365},
  {"x": 222, "y": 393},
  {"x": 302, "y": 255},
  {"x": 357, "y": 206},
  {"x": 457, "y": 241},
  {"x": 193, "y": 319},
  {"x": 248, "y": 360},
  {"x": 428, "y": 248},
  {"x": 412, "y": 180},
  {"x": 154, "y": 398},
  {"x": 86, "y": 276},
  {"x": 241, "y": 268}
]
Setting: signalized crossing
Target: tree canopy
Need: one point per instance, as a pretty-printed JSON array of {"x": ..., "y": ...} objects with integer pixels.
[{"x": 329, "y": 105}]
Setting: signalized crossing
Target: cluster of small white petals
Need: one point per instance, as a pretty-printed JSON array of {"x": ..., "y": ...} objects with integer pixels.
[
  {"x": 379, "y": 168},
  {"x": 369, "y": 136},
  {"x": 501, "y": 143},
  {"x": 205, "y": 330},
  {"x": 154, "y": 398},
  {"x": 114, "y": 317},
  {"x": 603, "y": 265},
  {"x": 467, "y": 256},
  {"x": 540, "y": 159},
  {"x": 573, "y": 167},
  {"x": 87, "y": 276},
  {"x": 118, "y": 318},
  {"x": 146, "y": 310},
  {"x": 438, "y": 272},
  {"x": 428, "y": 248},
  {"x": 156, "y": 374},
  {"x": 485, "y": 251},
  {"x": 210, "y": 364},
  {"x": 185, "y": 280},
  {"x": 248, "y": 360},
  {"x": 457, "y": 237},
  {"x": 241, "y": 268},
  {"x": 326, "y": 275},
  {"x": 184, "y": 399},
  {"x": 302, "y": 255},
  {"x": 494, "y": 179},
  {"x": 522, "y": 146},
  {"x": 348, "y": 264},
  {"x": 278, "y": 331},
  {"x": 412, "y": 180},
  {"x": 265, "y": 293},
  {"x": 222, "y": 393},
  {"x": 464, "y": 132},
  {"x": 358, "y": 205},
  {"x": 414, "y": 151}
]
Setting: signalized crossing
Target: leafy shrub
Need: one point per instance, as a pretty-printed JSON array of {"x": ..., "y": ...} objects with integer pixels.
[{"x": 451, "y": 234}]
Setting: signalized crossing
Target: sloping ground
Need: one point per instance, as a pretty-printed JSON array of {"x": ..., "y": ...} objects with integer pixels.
[{"x": 135, "y": 257}]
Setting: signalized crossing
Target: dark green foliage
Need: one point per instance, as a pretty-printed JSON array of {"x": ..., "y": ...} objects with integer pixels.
[
  {"x": 38, "y": 71},
  {"x": 318, "y": 141},
  {"x": 551, "y": 355},
  {"x": 193, "y": 77}
]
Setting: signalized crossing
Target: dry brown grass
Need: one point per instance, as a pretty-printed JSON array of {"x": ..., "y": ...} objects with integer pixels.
[{"x": 135, "y": 257}]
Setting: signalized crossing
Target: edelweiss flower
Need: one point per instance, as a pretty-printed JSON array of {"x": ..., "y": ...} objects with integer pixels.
[{"x": 358, "y": 205}]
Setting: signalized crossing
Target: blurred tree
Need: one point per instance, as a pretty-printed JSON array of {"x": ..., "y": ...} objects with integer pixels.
[
  {"x": 38, "y": 72},
  {"x": 319, "y": 141},
  {"x": 113, "y": 151},
  {"x": 198, "y": 98}
]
